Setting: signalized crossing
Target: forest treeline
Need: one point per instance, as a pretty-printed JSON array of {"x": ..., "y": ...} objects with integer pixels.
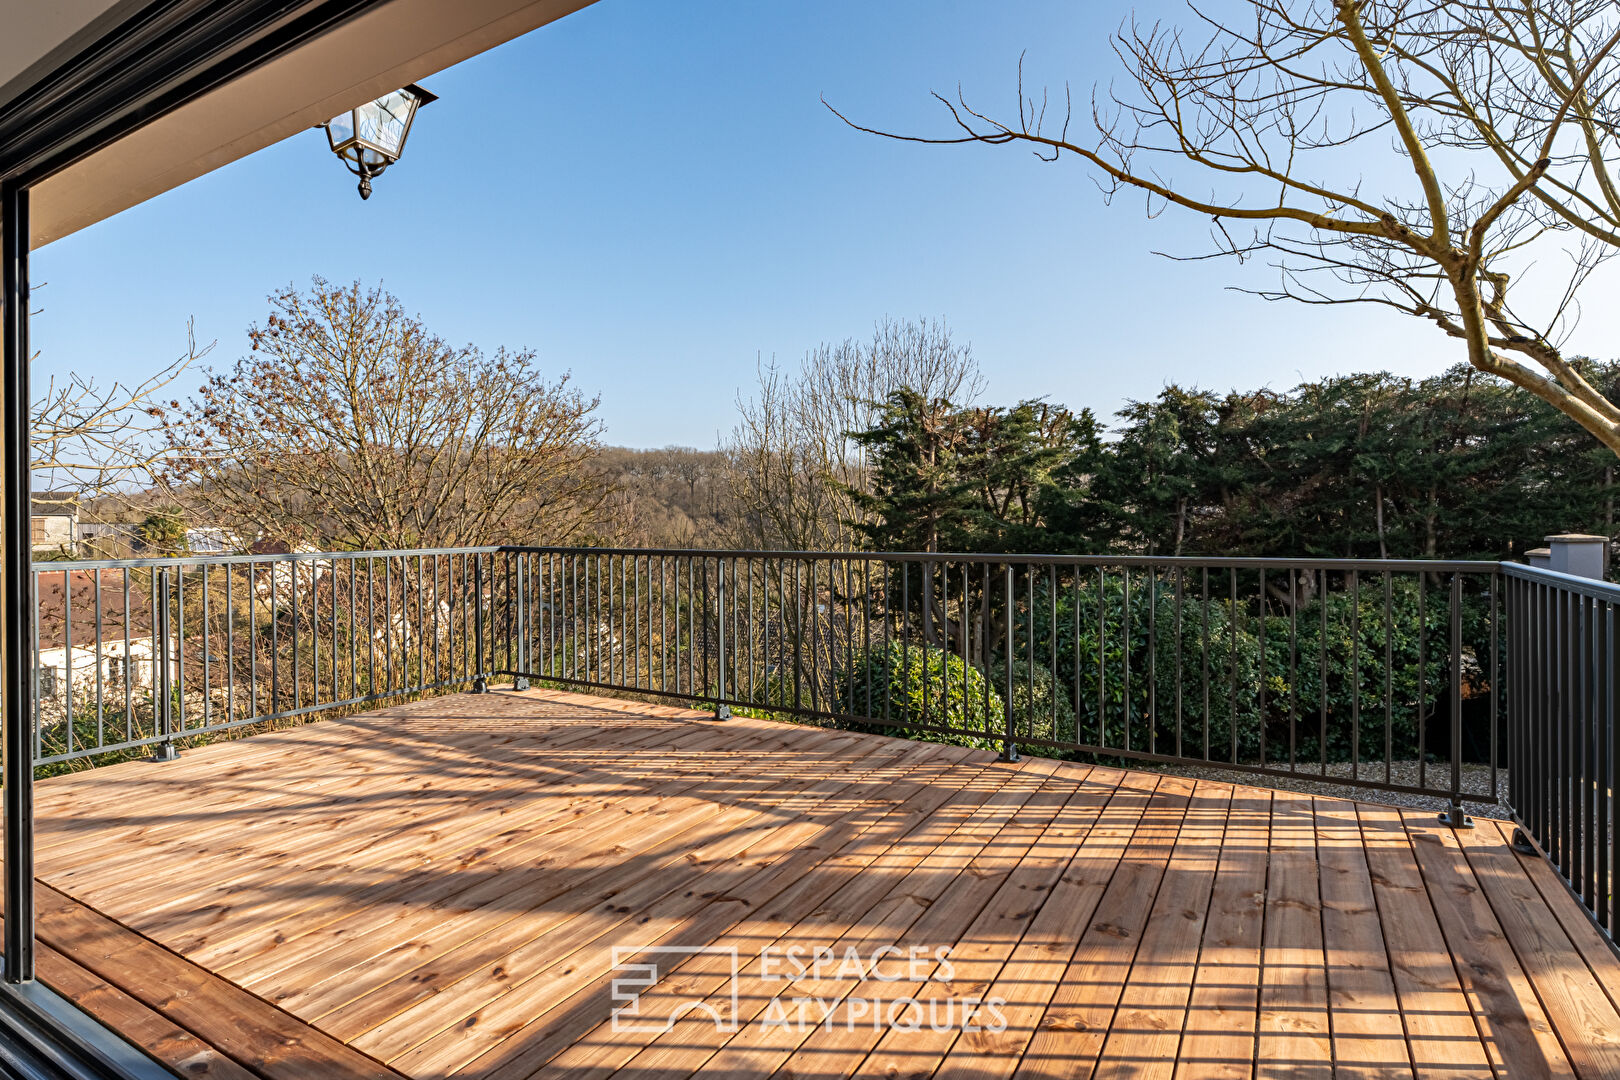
[
  {"x": 892, "y": 442},
  {"x": 1376, "y": 465}
]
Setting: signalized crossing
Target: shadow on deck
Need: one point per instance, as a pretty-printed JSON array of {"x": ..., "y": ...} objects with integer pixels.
[{"x": 453, "y": 887}]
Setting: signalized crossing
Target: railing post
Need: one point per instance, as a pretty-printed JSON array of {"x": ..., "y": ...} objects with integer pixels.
[
  {"x": 1454, "y": 816},
  {"x": 722, "y": 711},
  {"x": 480, "y": 676},
  {"x": 163, "y": 684},
  {"x": 521, "y": 682},
  {"x": 1009, "y": 748}
]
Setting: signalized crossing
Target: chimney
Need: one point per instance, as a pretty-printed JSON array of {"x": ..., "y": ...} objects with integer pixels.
[{"x": 1580, "y": 554}]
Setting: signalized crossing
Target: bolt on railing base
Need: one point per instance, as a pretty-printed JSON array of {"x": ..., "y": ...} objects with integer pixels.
[
  {"x": 1456, "y": 819},
  {"x": 722, "y": 712},
  {"x": 1521, "y": 843},
  {"x": 164, "y": 751},
  {"x": 480, "y": 685},
  {"x": 1009, "y": 752}
]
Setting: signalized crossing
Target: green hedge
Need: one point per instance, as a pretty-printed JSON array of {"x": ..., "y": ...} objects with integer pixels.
[
  {"x": 922, "y": 685},
  {"x": 1140, "y": 653},
  {"x": 1158, "y": 669},
  {"x": 1041, "y": 707}
]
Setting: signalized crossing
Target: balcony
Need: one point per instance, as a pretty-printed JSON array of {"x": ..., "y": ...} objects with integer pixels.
[{"x": 537, "y": 882}]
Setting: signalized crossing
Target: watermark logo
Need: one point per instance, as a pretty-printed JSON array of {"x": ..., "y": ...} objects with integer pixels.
[
  {"x": 801, "y": 987},
  {"x": 643, "y": 968}
]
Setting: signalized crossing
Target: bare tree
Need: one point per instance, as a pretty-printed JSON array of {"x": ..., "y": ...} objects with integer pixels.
[
  {"x": 795, "y": 465},
  {"x": 96, "y": 438},
  {"x": 1499, "y": 117},
  {"x": 350, "y": 424}
]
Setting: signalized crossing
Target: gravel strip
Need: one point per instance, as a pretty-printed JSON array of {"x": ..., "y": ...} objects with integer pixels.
[{"x": 1476, "y": 780}]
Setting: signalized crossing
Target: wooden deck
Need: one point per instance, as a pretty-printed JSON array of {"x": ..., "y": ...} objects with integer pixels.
[{"x": 438, "y": 890}]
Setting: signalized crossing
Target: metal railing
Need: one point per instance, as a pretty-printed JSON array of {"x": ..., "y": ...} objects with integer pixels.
[
  {"x": 1562, "y": 653},
  {"x": 1471, "y": 682},
  {"x": 137, "y": 653},
  {"x": 1380, "y": 675}
]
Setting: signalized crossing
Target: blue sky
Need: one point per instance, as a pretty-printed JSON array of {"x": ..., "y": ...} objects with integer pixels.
[{"x": 652, "y": 196}]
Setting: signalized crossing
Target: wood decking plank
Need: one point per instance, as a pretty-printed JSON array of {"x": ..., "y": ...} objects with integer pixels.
[
  {"x": 1294, "y": 1036},
  {"x": 417, "y": 1004},
  {"x": 257, "y": 1035},
  {"x": 402, "y": 991},
  {"x": 431, "y": 890},
  {"x": 1136, "y": 924},
  {"x": 919, "y": 913},
  {"x": 1583, "y": 1015},
  {"x": 1369, "y": 1041},
  {"x": 840, "y": 894},
  {"x": 297, "y": 756},
  {"x": 165, "y": 1042},
  {"x": 1145, "y": 1033},
  {"x": 403, "y": 956},
  {"x": 1030, "y": 976},
  {"x": 374, "y": 925},
  {"x": 515, "y": 957},
  {"x": 1596, "y": 951},
  {"x": 376, "y": 820},
  {"x": 1075, "y": 1024},
  {"x": 945, "y": 999},
  {"x": 1442, "y": 1037},
  {"x": 262, "y": 845},
  {"x": 1218, "y": 1033},
  {"x": 1516, "y": 1030}
]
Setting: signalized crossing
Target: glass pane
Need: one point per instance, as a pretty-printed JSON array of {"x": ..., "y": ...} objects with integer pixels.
[
  {"x": 340, "y": 129},
  {"x": 382, "y": 122}
]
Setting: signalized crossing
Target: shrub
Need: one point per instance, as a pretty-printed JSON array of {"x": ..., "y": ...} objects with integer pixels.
[
  {"x": 1395, "y": 689},
  {"x": 921, "y": 685},
  {"x": 163, "y": 532},
  {"x": 1133, "y": 661},
  {"x": 1041, "y": 708}
]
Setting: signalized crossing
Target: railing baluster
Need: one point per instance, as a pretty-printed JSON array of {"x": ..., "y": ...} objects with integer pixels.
[
  {"x": 1389, "y": 676},
  {"x": 1009, "y": 747}
]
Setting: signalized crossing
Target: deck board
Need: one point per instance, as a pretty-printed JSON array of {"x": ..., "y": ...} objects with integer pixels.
[{"x": 439, "y": 889}]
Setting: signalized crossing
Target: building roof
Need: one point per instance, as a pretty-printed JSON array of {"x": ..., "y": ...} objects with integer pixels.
[
  {"x": 77, "y": 594},
  {"x": 53, "y": 503}
]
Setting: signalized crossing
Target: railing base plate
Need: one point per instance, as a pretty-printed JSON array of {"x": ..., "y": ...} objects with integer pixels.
[
  {"x": 520, "y": 683},
  {"x": 164, "y": 752},
  {"x": 1456, "y": 819},
  {"x": 722, "y": 712},
  {"x": 1521, "y": 843}
]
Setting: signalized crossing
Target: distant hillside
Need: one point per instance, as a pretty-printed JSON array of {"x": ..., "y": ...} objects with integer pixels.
[{"x": 672, "y": 497}]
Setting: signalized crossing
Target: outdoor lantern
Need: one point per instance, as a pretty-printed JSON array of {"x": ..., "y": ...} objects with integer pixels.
[{"x": 371, "y": 137}]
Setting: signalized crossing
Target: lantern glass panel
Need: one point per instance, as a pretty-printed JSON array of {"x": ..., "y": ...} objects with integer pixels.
[
  {"x": 340, "y": 130},
  {"x": 382, "y": 123}
]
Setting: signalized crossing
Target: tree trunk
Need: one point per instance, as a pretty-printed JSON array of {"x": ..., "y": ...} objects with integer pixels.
[
  {"x": 1608, "y": 502},
  {"x": 1383, "y": 547},
  {"x": 1430, "y": 540}
]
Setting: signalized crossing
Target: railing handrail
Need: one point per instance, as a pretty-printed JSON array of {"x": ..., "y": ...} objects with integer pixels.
[
  {"x": 159, "y": 561},
  {"x": 1584, "y": 586},
  {"x": 1235, "y": 562},
  {"x": 1224, "y": 562}
]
